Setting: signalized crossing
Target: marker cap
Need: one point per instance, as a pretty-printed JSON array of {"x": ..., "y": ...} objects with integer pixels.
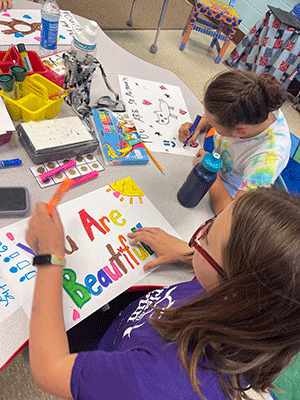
[
  {"x": 21, "y": 47},
  {"x": 7, "y": 82},
  {"x": 18, "y": 72}
]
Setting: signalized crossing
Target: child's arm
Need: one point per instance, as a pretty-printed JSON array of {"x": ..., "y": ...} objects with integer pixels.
[
  {"x": 184, "y": 130},
  {"x": 5, "y": 4},
  {"x": 219, "y": 196},
  {"x": 50, "y": 358}
]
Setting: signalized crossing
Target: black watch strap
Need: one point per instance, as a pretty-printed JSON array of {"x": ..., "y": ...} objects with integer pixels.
[{"x": 47, "y": 259}]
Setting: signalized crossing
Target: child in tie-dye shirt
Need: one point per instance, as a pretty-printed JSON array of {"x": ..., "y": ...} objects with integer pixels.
[{"x": 252, "y": 136}]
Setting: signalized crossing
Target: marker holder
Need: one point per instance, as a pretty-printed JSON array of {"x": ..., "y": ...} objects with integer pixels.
[
  {"x": 38, "y": 66},
  {"x": 35, "y": 104}
]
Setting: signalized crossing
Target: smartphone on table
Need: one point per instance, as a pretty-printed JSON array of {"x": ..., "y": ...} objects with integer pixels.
[{"x": 14, "y": 201}]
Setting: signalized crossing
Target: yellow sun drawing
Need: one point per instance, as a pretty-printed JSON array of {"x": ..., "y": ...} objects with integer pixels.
[{"x": 126, "y": 187}]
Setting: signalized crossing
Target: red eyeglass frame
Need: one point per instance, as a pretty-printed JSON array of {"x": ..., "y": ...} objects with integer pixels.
[{"x": 194, "y": 242}]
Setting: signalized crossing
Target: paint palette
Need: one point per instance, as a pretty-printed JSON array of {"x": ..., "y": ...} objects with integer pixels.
[{"x": 84, "y": 164}]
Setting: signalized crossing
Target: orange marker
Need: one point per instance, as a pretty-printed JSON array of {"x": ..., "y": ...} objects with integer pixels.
[{"x": 62, "y": 189}]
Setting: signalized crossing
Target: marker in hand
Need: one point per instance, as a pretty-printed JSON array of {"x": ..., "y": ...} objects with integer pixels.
[
  {"x": 192, "y": 130},
  {"x": 62, "y": 189}
]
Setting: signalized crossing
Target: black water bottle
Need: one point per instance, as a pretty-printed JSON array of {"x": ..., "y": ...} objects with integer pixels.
[{"x": 199, "y": 180}]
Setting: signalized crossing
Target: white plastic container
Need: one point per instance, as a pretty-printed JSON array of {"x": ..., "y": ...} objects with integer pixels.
[{"x": 85, "y": 40}]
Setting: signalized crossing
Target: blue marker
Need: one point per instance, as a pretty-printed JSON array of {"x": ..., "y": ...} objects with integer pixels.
[
  {"x": 9, "y": 163},
  {"x": 192, "y": 130}
]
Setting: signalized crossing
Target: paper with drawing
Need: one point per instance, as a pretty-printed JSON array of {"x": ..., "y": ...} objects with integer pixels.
[
  {"x": 101, "y": 261},
  {"x": 158, "y": 110},
  {"x": 24, "y": 26}
]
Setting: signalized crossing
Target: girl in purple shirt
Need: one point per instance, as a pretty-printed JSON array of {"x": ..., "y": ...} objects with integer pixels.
[{"x": 233, "y": 328}]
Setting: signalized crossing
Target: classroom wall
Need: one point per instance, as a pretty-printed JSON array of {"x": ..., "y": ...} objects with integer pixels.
[{"x": 251, "y": 11}]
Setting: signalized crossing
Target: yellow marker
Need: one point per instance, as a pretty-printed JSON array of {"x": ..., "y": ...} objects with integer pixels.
[
  {"x": 24, "y": 55},
  {"x": 62, "y": 189}
]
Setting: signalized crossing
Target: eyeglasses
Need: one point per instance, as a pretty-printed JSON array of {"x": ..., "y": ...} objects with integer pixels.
[{"x": 195, "y": 242}]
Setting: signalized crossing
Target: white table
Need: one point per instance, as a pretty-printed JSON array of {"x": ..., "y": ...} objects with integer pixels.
[{"x": 160, "y": 189}]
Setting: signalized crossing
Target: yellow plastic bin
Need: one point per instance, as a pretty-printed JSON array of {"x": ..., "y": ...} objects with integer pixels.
[{"x": 34, "y": 105}]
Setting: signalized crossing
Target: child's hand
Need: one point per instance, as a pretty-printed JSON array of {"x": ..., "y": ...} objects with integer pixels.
[
  {"x": 184, "y": 132},
  {"x": 45, "y": 233},
  {"x": 199, "y": 155},
  {"x": 168, "y": 248},
  {"x": 5, "y": 4}
]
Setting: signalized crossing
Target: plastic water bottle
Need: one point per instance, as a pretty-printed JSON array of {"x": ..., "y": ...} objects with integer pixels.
[
  {"x": 84, "y": 41},
  {"x": 50, "y": 20},
  {"x": 199, "y": 180}
]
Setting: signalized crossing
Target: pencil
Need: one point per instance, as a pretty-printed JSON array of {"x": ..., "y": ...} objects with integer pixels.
[
  {"x": 153, "y": 159},
  {"x": 6, "y": 54},
  {"x": 62, "y": 189}
]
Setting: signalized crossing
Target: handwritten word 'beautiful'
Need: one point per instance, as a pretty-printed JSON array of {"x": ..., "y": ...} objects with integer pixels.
[{"x": 119, "y": 262}]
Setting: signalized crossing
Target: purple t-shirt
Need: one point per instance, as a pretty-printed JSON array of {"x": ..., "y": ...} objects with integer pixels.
[{"x": 133, "y": 362}]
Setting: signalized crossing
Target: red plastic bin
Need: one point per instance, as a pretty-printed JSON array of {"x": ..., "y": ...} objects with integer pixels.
[
  {"x": 5, "y": 137},
  {"x": 38, "y": 67}
]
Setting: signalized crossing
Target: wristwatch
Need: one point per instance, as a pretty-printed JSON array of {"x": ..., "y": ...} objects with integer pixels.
[{"x": 47, "y": 259}]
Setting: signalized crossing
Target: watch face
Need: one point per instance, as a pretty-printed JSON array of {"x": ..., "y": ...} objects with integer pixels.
[{"x": 42, "y": 260}]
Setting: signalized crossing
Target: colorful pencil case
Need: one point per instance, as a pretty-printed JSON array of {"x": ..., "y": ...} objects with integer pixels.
[{"x": 34, "y": 105}]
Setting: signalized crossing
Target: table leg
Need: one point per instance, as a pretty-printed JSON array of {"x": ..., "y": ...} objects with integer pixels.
[{"x": 153, "y": 48}]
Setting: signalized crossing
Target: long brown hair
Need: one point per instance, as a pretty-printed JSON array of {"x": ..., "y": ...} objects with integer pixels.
[
  {"x": 253, "y": 317},
  {"x": 243, "y": 97}
]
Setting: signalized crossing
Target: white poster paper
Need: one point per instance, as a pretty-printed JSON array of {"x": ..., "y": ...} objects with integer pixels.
[
  {"x": 101, "y": 260},
  {"x": 158, "y": 111}
]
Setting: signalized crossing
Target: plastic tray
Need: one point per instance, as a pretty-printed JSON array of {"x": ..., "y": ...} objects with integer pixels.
[
  {"x": 5, "y": 138},
  {"x": 35, "y": 104}
]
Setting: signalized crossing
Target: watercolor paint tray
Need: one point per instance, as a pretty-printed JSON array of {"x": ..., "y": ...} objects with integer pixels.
[{"x": 52, "y": 140}]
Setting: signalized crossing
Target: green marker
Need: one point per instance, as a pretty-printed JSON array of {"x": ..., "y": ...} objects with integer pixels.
[
  {"x": 19, "y": 74},
  {"x": 7, "y": 82}
]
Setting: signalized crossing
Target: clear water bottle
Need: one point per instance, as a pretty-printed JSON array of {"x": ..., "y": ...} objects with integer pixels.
[
  {"x": 199, "y": 180},
  {"x": 85, "y": 40},
  {"x": 50, "y": 20}
]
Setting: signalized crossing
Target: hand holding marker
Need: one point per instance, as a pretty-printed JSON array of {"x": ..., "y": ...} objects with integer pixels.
[{"x": 193, "y": 128}]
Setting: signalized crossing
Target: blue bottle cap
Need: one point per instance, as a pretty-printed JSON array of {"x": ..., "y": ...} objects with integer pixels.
[{"x": 212, "y": 162}]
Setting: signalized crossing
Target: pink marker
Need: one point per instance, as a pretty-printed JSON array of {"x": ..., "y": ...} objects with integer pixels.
[
  {"x": 52, "y": 172},
  {"x": 84, "y": 178}
]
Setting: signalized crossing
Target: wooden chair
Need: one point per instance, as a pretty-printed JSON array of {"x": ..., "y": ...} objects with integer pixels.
[{"x": 229, "y": 22}]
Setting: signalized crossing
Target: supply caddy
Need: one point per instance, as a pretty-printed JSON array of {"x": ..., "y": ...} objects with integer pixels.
[{"x": 35, "y": 103}]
